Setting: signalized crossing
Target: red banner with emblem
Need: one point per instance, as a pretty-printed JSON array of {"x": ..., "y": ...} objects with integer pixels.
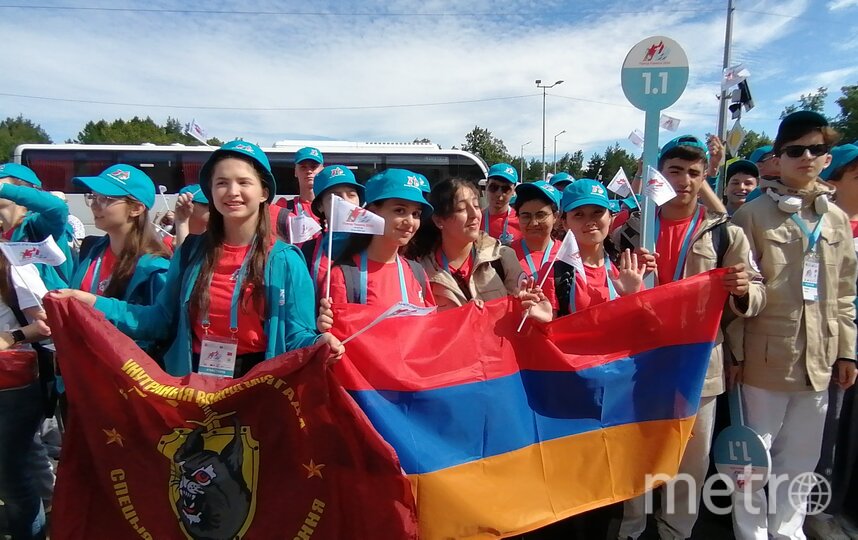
[{"x": 280, "y": 453}]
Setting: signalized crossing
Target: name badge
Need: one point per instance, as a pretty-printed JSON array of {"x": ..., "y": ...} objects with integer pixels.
[
  {"x": 506, "y": 239},
  {"x": 217, "y": 357},
  {"x": 810, "y": 279}
]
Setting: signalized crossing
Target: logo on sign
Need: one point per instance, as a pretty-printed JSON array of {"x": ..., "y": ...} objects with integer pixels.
[
  {"x": 656, "y": 53},
  {"x": 120, "y": 175},
  {"x": 336, "y": 171}
]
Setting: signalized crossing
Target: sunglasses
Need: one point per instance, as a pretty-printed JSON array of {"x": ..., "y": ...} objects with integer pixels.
[
  {"x": 798, "y": 150},
  {"x": 499, "y": 187}
]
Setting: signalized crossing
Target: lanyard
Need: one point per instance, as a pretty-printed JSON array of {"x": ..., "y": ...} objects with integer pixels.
[
  {"x": 93, "y": 286},
  {"x": 321, "y": 247},
  {"x": 446, "y": 264},
  {"x": 298, "y": 207},
  {"x": 364, "y": 278},
  {"x": 236, "y": 293},
  {"x": 547, "y": 255},
  {"x": 612, "y": 292},
  {"x": 812, "y": 237},
  {"x": 686, "y": 241},
  {"x": 486, "y": 221}
]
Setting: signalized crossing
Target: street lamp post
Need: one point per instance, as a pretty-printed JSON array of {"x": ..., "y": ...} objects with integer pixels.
[
  {"x": 555, "y": 150},
  {"x": 521, "y": 167},
  {"x": 544, "y": 87}
]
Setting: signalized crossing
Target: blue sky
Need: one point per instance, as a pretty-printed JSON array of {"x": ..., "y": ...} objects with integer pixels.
[{"x": 330, "y": 55}]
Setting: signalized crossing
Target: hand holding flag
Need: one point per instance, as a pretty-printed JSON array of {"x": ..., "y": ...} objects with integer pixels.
[
  {"x": 350, "y": 218},
  {"x": 568, "y": 253},
  {"x": 657, "y": 188}
]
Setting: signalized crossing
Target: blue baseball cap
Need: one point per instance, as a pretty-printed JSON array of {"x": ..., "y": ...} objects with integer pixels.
[
  {"x": 841, "y": 156},
  {"x": 197, "y": 191},
  {"x": 743, "y": 166},
  {"x": 121, "y": 181},
  {"x": 563, "y": 178},
  {"x": 308, "y": 152},
  {"x": 331, "y": 176},
  {"x": 583, "y": 192},
  {"x": 684, "y": 140},
  {"x": 539, "y": 189},
  {"x": 424, "y": 183},
  {"x": 761, "y": 154},
  {"x": 503, "y": 171},
  {"x": 239, "y": 149},
  {"x": 397, "y": 184},
  {"x": 21, "y": 172},
  {"x": 629, "y": 202}
]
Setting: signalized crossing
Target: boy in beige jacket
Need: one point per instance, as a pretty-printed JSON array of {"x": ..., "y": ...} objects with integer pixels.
[{"x": 803, "y": 249}]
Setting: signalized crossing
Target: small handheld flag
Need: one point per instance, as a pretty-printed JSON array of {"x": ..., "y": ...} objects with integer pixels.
[
  {"x": 657, "y": 188},
  {"x": 401, "y": 309},
  {"x": 568, "y": 253},
  {"x": 350, "y": 218},
  {"x": 196, "y": 131},
  {"x": 45, "y": 252},
  {"x": 162, "y": 189},
  {"x": 302, "y": 229},
  {"x": 620, "y": 184},
  {"x": 668, "y": 122},
  {"x": 637, "y": 138},
  {"x": 733, "y": 75}
]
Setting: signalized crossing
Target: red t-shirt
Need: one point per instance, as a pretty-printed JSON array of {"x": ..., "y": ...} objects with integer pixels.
[
  {"x": 383, "y": 285},
  {"x": 251, "y": 335},
  {"x": 854, "y": 228},
  {"x": 462, "y": 272},
  {"x": 595, "y": 291},
  {"x": 496, "y": 222},
  {"x": 668, "y": 245},
  {"x": 536, "y": 258},
  {"x": 108, "y": 260},
  {"x": 8, "y": 234},
  {"x": 168, "y": 241}
]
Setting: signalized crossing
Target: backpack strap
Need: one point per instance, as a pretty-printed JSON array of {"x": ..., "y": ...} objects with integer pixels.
[
  {"x": 283, "y": 223},
  {"x": 721, "y": 241},
  {"x": 351, "y": 275},
  {"x": 497, "y": 264},
  {"x": 419, "y": 274},
  {"x": 564, "y": 286}
]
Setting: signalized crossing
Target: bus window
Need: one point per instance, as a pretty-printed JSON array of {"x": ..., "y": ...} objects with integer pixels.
[
  {"x": 436, "y": 168},
  {"x": 56, "y": 168},
  {"x": 162, "y": 167}
]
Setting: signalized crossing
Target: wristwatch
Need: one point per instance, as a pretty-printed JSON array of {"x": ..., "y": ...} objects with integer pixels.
[{"x": 17, "y": 335}]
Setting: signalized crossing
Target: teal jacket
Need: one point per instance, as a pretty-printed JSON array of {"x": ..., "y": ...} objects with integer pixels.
[
  {"x": 288, "y": 290},
  {"x": 47, "y": 216},
  {"x": 149, "y": 277}
]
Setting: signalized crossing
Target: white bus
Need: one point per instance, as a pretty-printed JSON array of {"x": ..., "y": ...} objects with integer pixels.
[{"x": 178, "y": 165}]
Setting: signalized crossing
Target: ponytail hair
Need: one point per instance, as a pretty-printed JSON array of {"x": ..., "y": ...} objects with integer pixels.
[{"x": 141, "y": 240}]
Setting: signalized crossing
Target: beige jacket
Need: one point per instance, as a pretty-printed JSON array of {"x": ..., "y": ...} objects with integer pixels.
[
  {"x": 793, "y": 344},
  {"x": 703, "y": 257},
  {"x": 484, "y": 283}
]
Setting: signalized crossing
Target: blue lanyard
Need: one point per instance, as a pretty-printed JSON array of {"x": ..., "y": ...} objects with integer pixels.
[
  {"x": 812, "y": 237},
  {"x": 236, "y": 294},
  {"x": 547, "y": 255},
  {"x": 446, "y": 264},
  {"x": 612, "y": 292},
  {"x": 321, "y": 247},
  {"x": 686, "y": 242},
  {"x": 364, "y": 278},
  {"x": 93, "y": 286},
  {"x": 486, "y": 221}
]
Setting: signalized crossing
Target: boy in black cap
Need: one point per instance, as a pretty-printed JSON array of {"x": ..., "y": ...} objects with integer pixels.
[{"x": 742, "y": 178}]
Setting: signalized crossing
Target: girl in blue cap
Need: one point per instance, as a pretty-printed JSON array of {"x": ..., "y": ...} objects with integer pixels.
[
  {"x": 235, "y": 290},
  {"x": 129, "y": 262},
  {"x": 191, "y": 213},
  {"x": 371, "y": 269},
  {"x": 332, "y": 180},
  {"x": 28, "y": 214}
]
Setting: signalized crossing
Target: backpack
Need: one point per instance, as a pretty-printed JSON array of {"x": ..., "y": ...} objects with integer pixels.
[{"x": 351, "y": 274}]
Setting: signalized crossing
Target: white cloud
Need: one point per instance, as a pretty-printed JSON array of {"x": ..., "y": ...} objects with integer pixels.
[
  {"x": 282, "y": 61},
  {"x": 842, "y": 4}
]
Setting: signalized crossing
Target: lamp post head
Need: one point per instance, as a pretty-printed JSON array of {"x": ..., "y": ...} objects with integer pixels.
[
  {"x": 538, "y": 81},
  {"x": 558, "y": 82}
]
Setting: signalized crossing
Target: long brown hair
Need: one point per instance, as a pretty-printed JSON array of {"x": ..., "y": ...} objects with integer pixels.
[
  {"x": 443, "y": 200},
  {"x": 7, "y": 291},
  {"x": 141, "y": 240},
  {"x": 213, "y": 241}
]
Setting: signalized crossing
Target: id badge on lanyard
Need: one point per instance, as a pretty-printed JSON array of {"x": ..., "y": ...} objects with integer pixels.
[
  {"x": 218, "y": 354},
  {"x": 810, "y": 270}
]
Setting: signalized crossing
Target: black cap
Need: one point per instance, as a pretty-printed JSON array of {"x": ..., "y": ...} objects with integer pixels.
[{"x": 742, "y": 166}]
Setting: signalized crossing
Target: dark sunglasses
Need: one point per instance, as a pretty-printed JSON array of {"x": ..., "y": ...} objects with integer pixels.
[
  {"x": 499, "y": 187},
  {"x": 798, "y": 150}
]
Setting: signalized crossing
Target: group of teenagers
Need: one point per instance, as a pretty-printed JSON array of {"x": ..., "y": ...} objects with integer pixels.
[{"x": 228, "y": 278}]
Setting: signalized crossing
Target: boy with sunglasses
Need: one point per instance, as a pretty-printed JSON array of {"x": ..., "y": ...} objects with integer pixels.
[
  {"x": 499, "y": 220},
  {"x": 806, "y": 334}
]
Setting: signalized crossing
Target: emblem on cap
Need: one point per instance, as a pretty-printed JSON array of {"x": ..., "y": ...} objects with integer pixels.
[
  {"x": 336, "y": 171},
  {"x": 314, "y": 152},
  {"x": 413, "y": 181},
  {"x": 598, "y": 190},
  {"x": 120, "y": 175},
  {"x": 245, "y": 147},
  {"x": 510, "y": 170}
]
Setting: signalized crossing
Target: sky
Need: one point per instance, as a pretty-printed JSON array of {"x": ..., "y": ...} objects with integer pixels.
[{"x": 399, "y": 69}]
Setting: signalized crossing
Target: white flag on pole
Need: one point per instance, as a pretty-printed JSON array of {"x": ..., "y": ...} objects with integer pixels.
[
  {"x": 401, "y": 309},
  {"x": 668, "y": 122},
  {"x": 620, "y": 184},
  {"x": 302, "y": 228},
  {"x": 570, "y": 254},
  {"x": 196, "y": 131},
  {"x": 733, "y": 75},
  {"x": 637, "y": 138},
  {"x": 657, "y": 187},
  {"x": 347, "y": 217},
  {"x": 45, "y": 252}
]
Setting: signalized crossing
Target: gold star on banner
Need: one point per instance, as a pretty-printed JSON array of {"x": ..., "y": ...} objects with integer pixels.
[
  {"x": 313, "y": 469},
  {"x": 114, "y": 437}
]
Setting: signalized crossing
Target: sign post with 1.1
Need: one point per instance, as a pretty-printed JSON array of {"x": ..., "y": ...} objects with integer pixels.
[{"x": 654, "y": 75}]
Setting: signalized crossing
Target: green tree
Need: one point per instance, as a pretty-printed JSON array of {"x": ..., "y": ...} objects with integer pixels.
[
  {"x": 814, "y": 101},
  {"x": 753, "y": 140},
  {"x": 616, "y": 157},
  {"x": 571, "y": 163},
  {"x": 482, "y": 143},
  {"x": 847, "y": 121},
  {"x": 594, "y": 166},
  {"x": 136, "y": 131},
  {"x": 214, "y": 141},
  {"x": 20, "y": 130},
  {"x": 423, "y": 140}
]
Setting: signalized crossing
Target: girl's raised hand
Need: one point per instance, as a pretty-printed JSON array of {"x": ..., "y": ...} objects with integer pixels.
[{"x": 631, "y": 275}]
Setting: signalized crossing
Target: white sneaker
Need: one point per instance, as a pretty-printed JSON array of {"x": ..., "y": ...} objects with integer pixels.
[{"x": 823, "y": 527}]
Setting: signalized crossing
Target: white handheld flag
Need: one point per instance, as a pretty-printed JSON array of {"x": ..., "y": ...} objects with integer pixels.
[
  {"x": 45, "y": 252},
  {"x": 657, "y": 188},
  {"x": 351, "y": 218},
  {"x": 620, "y": 184},
  {"x": 400, "y": 309},
  {"x": 196, "y": 131},
  {"x": 637, "y": 138},
  {"x": 162, "y": 189},
  {"x": 733, "y": 75},
  {"x": 570, "y": 254},
  {"x": 668, "y": 122},
  {"x": 302, "y": 229}
]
